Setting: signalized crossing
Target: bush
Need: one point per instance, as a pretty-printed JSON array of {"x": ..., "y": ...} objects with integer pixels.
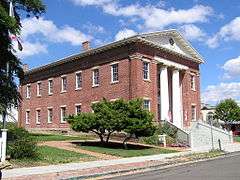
[
  {"x": 20, "y": 143},
  {"x": 168, "y": 130}
]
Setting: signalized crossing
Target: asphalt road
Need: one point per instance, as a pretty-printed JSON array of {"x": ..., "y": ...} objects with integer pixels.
[{"x": 227, "y": 168}]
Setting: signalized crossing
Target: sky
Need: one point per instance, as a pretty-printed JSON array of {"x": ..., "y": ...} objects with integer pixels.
[{"x": 212, "y": 27}]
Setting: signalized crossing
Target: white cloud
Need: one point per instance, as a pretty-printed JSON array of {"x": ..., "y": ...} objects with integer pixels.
[
  {"x": 192, "y": 32},
  {"x": 230, "y": 31},
  {"x": 124, "y": 34},
  {"x": 90, "y": 2},
  {"x": 51, "y": 32},
  {"x": 93, "y": 29},
  {"x": 31, "y": 49},
  {"x": 154, "y": 17},
  {"x": 215, "y": 93},
  {"x": 232, "y": 68}
]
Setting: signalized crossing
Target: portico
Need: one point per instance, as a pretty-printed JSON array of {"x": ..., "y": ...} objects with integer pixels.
[{"x": 170, "y": 96}]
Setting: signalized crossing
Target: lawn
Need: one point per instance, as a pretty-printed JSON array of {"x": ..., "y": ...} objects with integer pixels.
[
  {"x": 237, "y": 138},
  {"x": 50, "y": 155},
  {"x": 59, "y": 137},
  {"x": 116, "y": 149}
]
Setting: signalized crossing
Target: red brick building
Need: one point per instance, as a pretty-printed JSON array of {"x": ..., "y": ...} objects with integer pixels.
[{"x": 162, "y": 68}]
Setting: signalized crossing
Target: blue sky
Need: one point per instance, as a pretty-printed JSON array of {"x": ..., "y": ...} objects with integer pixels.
[{"x": 213, "y": 28}]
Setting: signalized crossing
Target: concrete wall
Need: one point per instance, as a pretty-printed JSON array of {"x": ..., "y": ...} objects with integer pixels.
[{"x": 201, "y": 139}]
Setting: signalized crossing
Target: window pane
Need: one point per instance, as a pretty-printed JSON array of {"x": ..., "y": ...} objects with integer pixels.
[
  {"x": 96, "y": 77},
  {"x": 114, "y": 72},
  {"x": 145, "y": 70},
  {"x": 78, "y": 80},
  {"x": 146, "y": 104},
  {"x": 50, "y": 86}
]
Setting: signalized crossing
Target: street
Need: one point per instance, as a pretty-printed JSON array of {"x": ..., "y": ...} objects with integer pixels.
[{"x": 220, "y": 169}]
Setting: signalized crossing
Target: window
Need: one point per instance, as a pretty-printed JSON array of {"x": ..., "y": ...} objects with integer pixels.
[
  {"x": 63, "y": 114},
  {"x": 50, "y": 115},
  {"x": 193, "y": 82},
  {"x": 95, "y": 77},
  {"x": 78, "y": 109},
  {"x": 64, "y": 84},
  {"x": 50, "y": 86},
  {"x": 146, "y": 104},
  {"x": 194, "y": 113},
  {"x": 27, "y": 117},
  {"x": 38, "y": 116},
  {"x": 28, "y": 91},
  {"x": 78, "y": 80},
  {"x": 114, "y": 73},
  {"x": 39, "y": 88},
  {"x": 145, "y": 70}
]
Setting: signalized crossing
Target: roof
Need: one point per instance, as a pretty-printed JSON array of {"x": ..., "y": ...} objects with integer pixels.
[{"x": 142, "y": 38}]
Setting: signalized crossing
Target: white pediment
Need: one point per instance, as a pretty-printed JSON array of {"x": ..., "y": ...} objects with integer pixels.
[{"x": 173, "y": 40}]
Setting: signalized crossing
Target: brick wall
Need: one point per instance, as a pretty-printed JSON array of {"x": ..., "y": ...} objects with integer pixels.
[{"x": 130, "y": 85}]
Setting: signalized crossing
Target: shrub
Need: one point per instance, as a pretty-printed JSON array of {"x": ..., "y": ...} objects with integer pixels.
[
  {"x": 167, "y": 129},
  {"x": 20, "y": 144}
]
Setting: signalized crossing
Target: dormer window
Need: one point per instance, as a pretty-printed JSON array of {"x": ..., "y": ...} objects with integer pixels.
[{"x": 171, "y": 41}]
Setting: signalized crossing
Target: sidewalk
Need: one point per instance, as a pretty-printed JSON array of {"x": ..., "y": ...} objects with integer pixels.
[
  {"x": 53, "y": 170},
  {"x": 64, "y": 171}
]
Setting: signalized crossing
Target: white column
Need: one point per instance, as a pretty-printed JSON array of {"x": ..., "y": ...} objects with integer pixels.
[
  {"x": 176, "y": 99},
  {"x": 4, "y": 145},
  {"x": 164, "y": 95}
]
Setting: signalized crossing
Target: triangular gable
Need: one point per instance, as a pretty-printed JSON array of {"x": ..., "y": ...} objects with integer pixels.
[{"x": 174, "y": 41}]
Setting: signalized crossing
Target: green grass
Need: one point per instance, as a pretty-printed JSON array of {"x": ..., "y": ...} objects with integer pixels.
[
  {"x": 237, "y": 138},
  {"x": 118, "y": 150},
  {"x": 59, "y": 137},
  {"x": 50, "y": 155}
]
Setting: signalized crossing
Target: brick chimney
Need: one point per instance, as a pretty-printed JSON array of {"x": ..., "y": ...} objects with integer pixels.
[
  {"x": 25, "y": 67},
  {"x": 86, "y": 45}
]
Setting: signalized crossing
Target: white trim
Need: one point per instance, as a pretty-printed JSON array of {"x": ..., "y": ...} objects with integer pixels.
[
  {"x": 115, "y": 62},
  {"x": 28, "y": 91},
  {"x": 79, "y": 104},
  {"x": 148, "y": 71},
  {"x": 146, "y": 60},
  {"x": 49, "y": 108},
  {"x": 50, "y": 93},
  {"x": 62, "y": 85},
  {"x": 195, "y": 113},
  {"x": 39, "y": 83},
  {"x": 170, "y": 63},
  {"x": 93, "y": 76},
  {"x": 65, "y": 75},
  {"x": 37, "y": 119},
  {"x": 112, "y": 100},
  {"x": 61, "y": 113},
  {"x": 76, "y": 81},
  {"x": 27, "y": 114},
  {"x": 147, "y": 99},
  {"x": 95, "y": 67},
  {"x": 111, "y": 65}
]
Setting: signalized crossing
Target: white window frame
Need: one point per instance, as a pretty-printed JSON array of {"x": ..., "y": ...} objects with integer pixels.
[
  {"x": 194, "y": 117},
  {"x": 50, "y": 90},
  {"x": 193, "y": 82},
  {"x": 39, "y": 83},
  {"x": 148, "y": 69},
  {"x": 28, "y": 91},
  {"x": 76, "y": 80},
  {"x": 76, "y": 105},
  {"x": 38, "y": 114},
  {"x": 112, "y": 73},
  {"x": 62, "y": 83},
  {"x": 149, "y": 105},
  {"x": 27, "y": 116},
  {"x": 61, "y": 113},
  {"x": 93, "y": 77},
  {"x": 50, "y": 109}
]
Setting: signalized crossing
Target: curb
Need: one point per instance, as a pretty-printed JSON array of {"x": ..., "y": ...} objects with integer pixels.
[{"x": 151, "y": 168}]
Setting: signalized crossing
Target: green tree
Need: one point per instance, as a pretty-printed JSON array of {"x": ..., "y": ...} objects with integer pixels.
[
  {"x": 227, "y": 110},
  {"x": 8, "y": 88},
  {"x": 139, "y": 122},
  {"x": 109, "y": 117}
]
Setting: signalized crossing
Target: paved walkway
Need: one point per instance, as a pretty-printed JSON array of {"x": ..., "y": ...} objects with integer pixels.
[
  {"x": 71, "y": 147},
  {"x": 62, "y": 171},
  {"x": 23, "y": 173}
]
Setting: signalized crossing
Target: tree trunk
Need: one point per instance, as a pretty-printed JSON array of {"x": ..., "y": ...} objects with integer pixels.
[
  {"x": 108, "y": 136},
  {"x": 125, "y": 141},
  {"x": 101, "y": 138}
]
